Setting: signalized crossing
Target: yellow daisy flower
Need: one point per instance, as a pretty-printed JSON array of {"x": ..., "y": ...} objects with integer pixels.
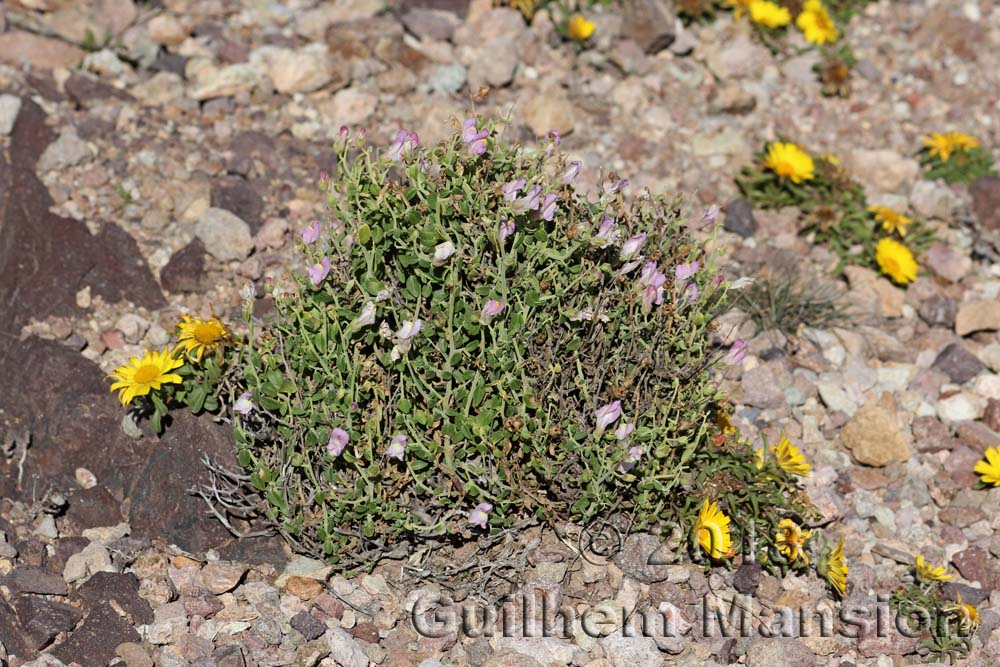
[
  {"x": 758, "y": 457},
  {"x": 816, "y": 23},
  {"x": 927, "y": 572},
  {"x": 790, "y": 539},
  {"x": 896, "y": 261},
  {"x": 196, "y": 336},
  {"x": 989, "y": 470},
  {"x": 712, "y": 531},
  {"x": 833, "y": 568},
  {"x": 939, "y": 145},
  {"x": 739, "y": 7},
  {"x": 789, "y": 161},
  {"x": 943, "y": 145},
  {"x": 962, "y": 141},
  {"x": 769, "y": 14},
  {"x": 892, "y": 221},
  {"x": 141, "y": 376},
  {"x": 789, "y": 458},
  {"x": 967, "y": 614},
  {"x": 580, "y": 28}
]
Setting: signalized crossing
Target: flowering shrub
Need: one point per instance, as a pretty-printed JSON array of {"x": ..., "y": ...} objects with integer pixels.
[
  {"x": 473, "y": 343},
  {"x": 835, "y": 209}
]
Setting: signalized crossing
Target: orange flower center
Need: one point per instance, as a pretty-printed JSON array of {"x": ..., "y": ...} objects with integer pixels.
[
  {"x": 146, "y": 374},
  {"x": 207, "y": 333}
]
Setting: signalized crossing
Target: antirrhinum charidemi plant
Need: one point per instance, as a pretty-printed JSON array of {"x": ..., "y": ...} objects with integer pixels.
[{"x": 470, "y": 343}]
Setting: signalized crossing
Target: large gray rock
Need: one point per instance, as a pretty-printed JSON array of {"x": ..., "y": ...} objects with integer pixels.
[{"x": 226, "y": 237}]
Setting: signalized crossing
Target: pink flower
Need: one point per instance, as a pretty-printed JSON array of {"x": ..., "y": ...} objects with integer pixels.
[
  {"x": 442, "y": 252},
  {"x": 652, "y": 295},
  {"x": 631, "y": 457},
  {"x": 406, "y": 333},
  {"x": 632, "y": 246},
  {"x": 492, "y": 308},
  {"x": 506, "y": 229},
  {"x": 339, "y": 438},
  {"x": 511, "y": 189},
  {"x": 243, "y": 404},
  {"x": 607, "y": 233},
  {"x": 616, "y": 186},
  {"x": 606, "y": 415},
  {"x": 651, "y": 275},
  {"x": 549, "y": 207},
  {"x": 397, "y": 447},
  {"x": 711, "y": 215},
  {"x": 692, "y": 292},
  {"x": 685, "y": 271},
  {"x": 405, "y": 142},
  {"x": 624, "y": 430},
  {"x": 474, "y": 141},
  {"x": 310, "y": 233},
  {"x": 480, "y": 515},
  {"x": 530, "y": 201},
  {"x": 571, "y": 173},
  {"x": 737, "y": 353},
  {"x": 319, "y": 272}
]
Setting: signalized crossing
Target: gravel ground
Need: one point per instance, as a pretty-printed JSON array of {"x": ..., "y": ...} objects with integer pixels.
[{"x": 153, "y": 180}]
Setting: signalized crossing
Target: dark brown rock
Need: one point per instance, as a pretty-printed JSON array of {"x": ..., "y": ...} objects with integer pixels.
[
  {"x": 642, "y": 556},
  {"x": 247, "y": 147},
  {"x": 86, "y": 90},
  {"x": 974, "y": 565},
  {"x": 739, "y": 219},
  {"x": 103, "y": 587},
  {"x": 162, "y": 506},
  {"x": 958, "y": 363},
  {"x": 938, "y": 311},
  {"x": 91, "y": 508},
  {"x": 986, "y": 201},
  {"x": 229, "y": 656},
  {"x": 44, "y": 619},
  {"x": 185, "y": 270},
  {"x": 241, "y": 199},
  {"x": 93, "y": 643},
  {"x": 650, "y": 23},
  {"x": 747, "y": 578},
  {"x": 310, "y": 627},
  {"x": 15, "y": 639},
  {"x": 63, "y": 400},
  {"x": 974, "y": 596},
  {"x": 201, "y": 601},
  {"x": 931, "y": 435},
  {"x": 24, "y": 579},
  {"x": 977, "y": 435},
  {"x": 170, "y": 62},
  {"x": 45, "y": 258},
  {"x": 64, "y": 548}
]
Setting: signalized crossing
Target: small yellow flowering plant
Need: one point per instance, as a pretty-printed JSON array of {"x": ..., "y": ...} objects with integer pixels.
[
  {"x": 946, "y": 625},
  {"x": 748, "y": 502},
  {"x": 835, "y": 209},
  {"x": 188, "y": 375},
  {"x": 954, "y": 157}
]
